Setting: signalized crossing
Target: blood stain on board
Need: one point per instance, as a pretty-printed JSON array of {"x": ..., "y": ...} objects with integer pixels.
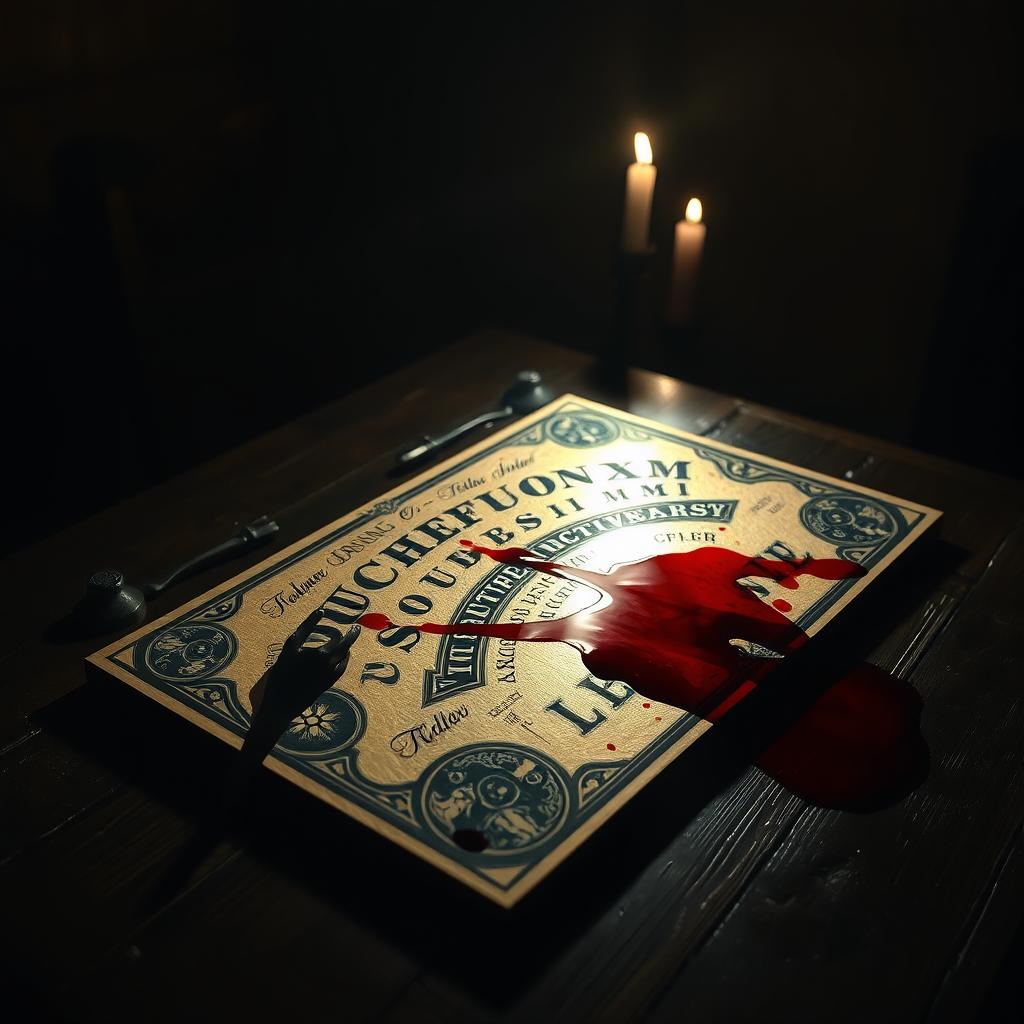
[{"x": 664, "y": 624}]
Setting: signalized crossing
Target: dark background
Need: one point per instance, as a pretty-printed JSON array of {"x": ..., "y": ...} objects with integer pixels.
[{"x": 216, "y": 215}]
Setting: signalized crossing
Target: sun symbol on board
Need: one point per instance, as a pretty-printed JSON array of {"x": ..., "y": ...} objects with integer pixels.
[{"x": 316, "y": 724}]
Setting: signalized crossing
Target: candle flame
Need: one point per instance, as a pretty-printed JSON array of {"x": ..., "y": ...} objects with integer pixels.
[
  {"x": 642, "y": 148},
  {"x": 694, "y": 211}
]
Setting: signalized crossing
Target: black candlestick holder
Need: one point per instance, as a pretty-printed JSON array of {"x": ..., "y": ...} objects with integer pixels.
[
  {"x": 682, "y": 354},
  {"x": 632, "y": 322}
]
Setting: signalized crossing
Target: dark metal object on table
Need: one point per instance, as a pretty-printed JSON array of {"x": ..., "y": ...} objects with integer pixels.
[
  {"x": 256, "y": 532},
  {"x": 526, "y": 395},
  {"x": 111, "y": 602},
  {"x": 301, "y": 674}
]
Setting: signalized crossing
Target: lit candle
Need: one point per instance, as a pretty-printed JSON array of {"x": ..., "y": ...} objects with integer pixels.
[
  {"x": 689, "y": 245},
  {"x": 636, "y": 216}
]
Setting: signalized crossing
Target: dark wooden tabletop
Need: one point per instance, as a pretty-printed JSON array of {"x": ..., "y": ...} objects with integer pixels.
[{"x": 745, "y": 903}]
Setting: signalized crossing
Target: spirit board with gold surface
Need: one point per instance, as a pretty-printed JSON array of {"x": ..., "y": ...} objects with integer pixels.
[{"x": 425, "y": 737}]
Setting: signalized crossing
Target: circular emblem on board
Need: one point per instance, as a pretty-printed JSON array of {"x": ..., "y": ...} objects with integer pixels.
[
  {"x": 848, "y": 519},
  {"x": 190, "y": 651},
  {"x": 333, "y": 721},
  {"x": 581, "y": 429},
  {"x": 512, "y": 797}
]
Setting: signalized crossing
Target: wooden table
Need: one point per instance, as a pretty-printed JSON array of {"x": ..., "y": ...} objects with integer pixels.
[{"x": 745, "y": 903}]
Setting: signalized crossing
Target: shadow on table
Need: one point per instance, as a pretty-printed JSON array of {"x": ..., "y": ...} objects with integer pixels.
[{"x": 442, "y": 925}]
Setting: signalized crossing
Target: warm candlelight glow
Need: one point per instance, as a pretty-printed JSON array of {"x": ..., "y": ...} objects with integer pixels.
[
  {"x": 636, "y": 213},
  {"x": 686, "y": 256}
]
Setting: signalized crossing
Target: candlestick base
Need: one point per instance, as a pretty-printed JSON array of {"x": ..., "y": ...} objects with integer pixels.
[
  {"x": 632, "y": 323},
  {"x": 684, "y": 352}
]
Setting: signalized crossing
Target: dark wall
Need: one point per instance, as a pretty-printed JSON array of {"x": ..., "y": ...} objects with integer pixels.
[{"x": 215, "y": 215}]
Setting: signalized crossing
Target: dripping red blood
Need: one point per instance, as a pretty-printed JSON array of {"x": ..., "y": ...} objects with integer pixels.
[{"x": 664, "y": 625}]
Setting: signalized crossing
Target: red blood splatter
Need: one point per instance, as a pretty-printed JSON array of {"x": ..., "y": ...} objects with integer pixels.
[
  {"x": 645, "y": 704},
  {"x": 663, "y": 626},
  {"x": 721, "y": 529},
  {"x": 858, "y": 740},
  {"x": 611, "y": 746},
  {"x": 783, "y": 606},
  {"x": 374, "y": 620},
  {"x": 657, "y": 718}
]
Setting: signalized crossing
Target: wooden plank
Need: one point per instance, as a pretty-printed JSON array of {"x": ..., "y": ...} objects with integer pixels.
[
  {"x": 693, "y": 914},
  {"x": 268, "y": 916},
  {"x": 995, "y": 925},
  {"x": 64, "y": 833},
  {"x": 50, "y": 758},
  {"x": 621, "y": 963},
  {"x": 45, "y": 784},
  {"x": 690, "y": 885},
  {"x": 748, "y": 429},
  {"x": 650, "y": 907},
  {"x": 903, "y": 894},
  {"x": 70, "y": 898},
  {"x": 604, "y": 935},
  {"x": 979, "y": 508},
  {"x": 111, "y": 873},
  {"x": 159, "y": 526},
  {"x": 414, "y": 910}
]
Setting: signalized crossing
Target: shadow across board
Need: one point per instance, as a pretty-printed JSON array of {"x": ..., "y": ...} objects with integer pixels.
[{"x": 408, "y": 903}]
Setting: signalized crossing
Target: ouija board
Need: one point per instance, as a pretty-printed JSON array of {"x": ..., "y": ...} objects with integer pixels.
[{"x": 428, "y": 737}]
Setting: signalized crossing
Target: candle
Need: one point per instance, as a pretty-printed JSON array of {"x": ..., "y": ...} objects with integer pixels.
[
  {"x": 686, "y": 255},
  {"x": 636, "y": 215}
]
